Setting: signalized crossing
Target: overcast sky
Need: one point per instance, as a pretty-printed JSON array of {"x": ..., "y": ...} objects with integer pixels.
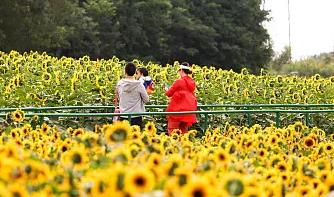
[{"x": 312, "y": 26}]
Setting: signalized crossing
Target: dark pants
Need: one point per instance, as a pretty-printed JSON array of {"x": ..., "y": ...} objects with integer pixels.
[{"x": 134, "y": 121}]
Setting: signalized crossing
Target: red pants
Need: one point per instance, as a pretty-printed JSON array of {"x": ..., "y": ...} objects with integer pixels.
[{"x": 183, "y": 126}]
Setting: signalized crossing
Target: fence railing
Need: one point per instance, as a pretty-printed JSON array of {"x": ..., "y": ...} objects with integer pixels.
[
  {"x": 200, "y": 107},
  {"x": 206, "y": 114}
]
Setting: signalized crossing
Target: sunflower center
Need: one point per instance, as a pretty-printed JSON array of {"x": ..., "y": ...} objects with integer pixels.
[
  {"x": 281, "y": 168},
  {"x": 182, "y": 179},
  {"x": 222, "y": 157},
  {"x": 198, "y": 193},
  {"x": 118, "y": 135},
  {"x": 331, "y": 188},
  {"x": 304, "y": 192},
  {"x": 64, "y": 148},
  {"x": 234, "y": 187},
  {"x": 156, "y": 162},
  {"x": 76, "y": 158},
  {"x": 140, "y": 181},
  {"x": 28, "y": 169},
  {"x": 309, "y": 142},
  {"x": 16, "y": 194}
]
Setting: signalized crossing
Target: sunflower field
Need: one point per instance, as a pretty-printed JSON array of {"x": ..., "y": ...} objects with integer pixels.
[
  {"x": 66, "y": 158},
  {"x": 35, "y": 80},
  {"x": 120, "y": 160}
]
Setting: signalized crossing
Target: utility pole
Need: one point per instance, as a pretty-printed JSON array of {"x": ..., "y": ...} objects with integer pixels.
[{"x": 289, "y": 20}]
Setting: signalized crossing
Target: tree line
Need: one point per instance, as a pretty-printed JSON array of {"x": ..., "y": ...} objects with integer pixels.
[{"x": 222, "y": 33}]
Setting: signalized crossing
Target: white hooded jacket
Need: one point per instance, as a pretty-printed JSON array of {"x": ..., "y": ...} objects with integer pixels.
[{"x": 132, "y": 96}]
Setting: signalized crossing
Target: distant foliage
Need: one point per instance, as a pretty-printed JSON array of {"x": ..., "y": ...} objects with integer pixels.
[
  {"x": 224, "y": 34},
  {"x": 322, "y": 64}
]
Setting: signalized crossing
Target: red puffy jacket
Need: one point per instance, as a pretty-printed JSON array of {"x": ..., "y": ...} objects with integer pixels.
[{"x": 182, "y": 99}]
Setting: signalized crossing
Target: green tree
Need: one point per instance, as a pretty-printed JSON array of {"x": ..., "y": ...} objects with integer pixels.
[{"x": 103, "y": 12}]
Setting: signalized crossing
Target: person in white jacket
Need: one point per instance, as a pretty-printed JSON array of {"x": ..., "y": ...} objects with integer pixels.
[{"x": 131, "y": 95}]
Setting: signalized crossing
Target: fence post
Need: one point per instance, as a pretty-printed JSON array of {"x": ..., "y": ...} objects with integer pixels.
[
  {"x": 249, "y": 120},
  {"x": 206, "y": 122},
  {"x": 278, "y": 121},
  {"x": 307, "y": 118}
]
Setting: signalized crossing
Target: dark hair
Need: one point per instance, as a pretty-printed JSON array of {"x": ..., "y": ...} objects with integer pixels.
[
  {"x": 188, "y": 72},
  {"x": 130, "y": 69},
  {"x": 143, "y": 71}
]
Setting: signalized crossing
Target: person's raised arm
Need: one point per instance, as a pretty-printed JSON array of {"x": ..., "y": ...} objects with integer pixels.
[{"x": 172, "y": 89}]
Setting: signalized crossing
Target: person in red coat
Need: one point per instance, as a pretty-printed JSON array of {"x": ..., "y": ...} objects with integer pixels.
[{"x": 182, "y": 98}]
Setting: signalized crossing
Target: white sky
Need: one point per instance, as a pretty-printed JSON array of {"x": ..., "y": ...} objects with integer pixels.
[{"x": 312, "y": 26}]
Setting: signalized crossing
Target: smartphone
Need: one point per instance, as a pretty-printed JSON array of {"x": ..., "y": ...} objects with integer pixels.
[{"x": 166, "y": 86}]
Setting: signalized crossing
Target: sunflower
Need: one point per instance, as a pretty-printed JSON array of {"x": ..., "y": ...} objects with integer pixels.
[
  {"x": 262, "y": 152},
  {"x": 175, "y": 161},
  {"x": 328, "y": 148},
  {"x": 78, "y": 132},
  {"x": 330, "y": 183},
  {"x": 231, "y": 147},
  {"x": 175, "y": 133},
  {"x": 321, "y": 190},
  {"x": 76, "y": 157},
  {"x": 309, "y": 142},
  {"x": 331, "y": 136},
  {"x": 198, "y": 188},
  {"x": 323, "y": 164},
  {"x": 221, "y": 157},
  {"x": 273, "y": 139},
  {"x": 139, "y": 180},
  {"x": 17, "y": 190},
  {"x": 117, "y": 132},
  {"x": 150, "y": 128},
  {"x": 305, "y": 191},
  {"x": 18, "y": 115},
  {"x": 46, "y": 77},
  {"x": 45, "y": 128},
  {"x": 234, "y": 184},
  {"x": 298, "y": 126},
  {"x": 26, "y": 129},
  {"x": 281, "y": 166},
  {"x": 324, "y": 175},
  {"x": 274, "y": 160},
  {"x": 183, "y": 175},
  {"x": 15, "y": 133},
  {"x": 135, "y": 135},
  {"x": 135, "y": 128},
  {"x": 155, "y": 160},
  {"x": 35, "y": 118}
]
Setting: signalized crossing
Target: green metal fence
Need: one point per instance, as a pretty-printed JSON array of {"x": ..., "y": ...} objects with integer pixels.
[
  {"x": 200, "y": 107},
  {"x": 206, "y": 114}
]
